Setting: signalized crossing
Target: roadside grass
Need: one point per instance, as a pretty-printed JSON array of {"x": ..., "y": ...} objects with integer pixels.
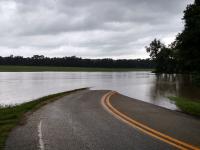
[
  {"x": 64, "y": 69},
  {"x": 11, "y": 116},
  {"x": 186, "y": 105}
]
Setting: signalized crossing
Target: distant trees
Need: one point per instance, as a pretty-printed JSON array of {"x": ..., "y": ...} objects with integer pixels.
[
  {"x": 183, "y": 55},
  {"x": 38, "y": 57},
  {"x": 73, "y": 61}
]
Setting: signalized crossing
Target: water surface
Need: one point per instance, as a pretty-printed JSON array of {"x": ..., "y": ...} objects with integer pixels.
[{"x": 19, "y": 87}]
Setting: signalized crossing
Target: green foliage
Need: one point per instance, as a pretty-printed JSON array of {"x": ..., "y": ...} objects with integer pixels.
[{"x": 187, "y": 106}]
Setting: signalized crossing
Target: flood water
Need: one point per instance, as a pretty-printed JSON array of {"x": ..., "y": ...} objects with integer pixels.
[{"x": 18, "y": 87}]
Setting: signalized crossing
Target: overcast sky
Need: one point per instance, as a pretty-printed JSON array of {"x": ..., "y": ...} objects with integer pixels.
[{"x": 87, "y": 28}]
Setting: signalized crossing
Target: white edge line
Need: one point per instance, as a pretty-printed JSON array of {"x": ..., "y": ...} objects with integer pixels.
[{"x": 41, "y": 143}]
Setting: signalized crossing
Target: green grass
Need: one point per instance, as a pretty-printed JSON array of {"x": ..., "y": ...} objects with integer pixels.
[
  {"x": 64, "y": 69},
  {"x": 14, "y": 115},
  {"x": 186, "y": 105}
]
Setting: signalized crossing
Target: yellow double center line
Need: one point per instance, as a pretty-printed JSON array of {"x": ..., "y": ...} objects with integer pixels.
[{"x": 152, "y": 132}]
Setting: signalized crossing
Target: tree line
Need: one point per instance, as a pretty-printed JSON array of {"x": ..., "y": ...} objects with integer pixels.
[
  {"x": 73, "y": 61},
  {"x": 182, "y": 55}
]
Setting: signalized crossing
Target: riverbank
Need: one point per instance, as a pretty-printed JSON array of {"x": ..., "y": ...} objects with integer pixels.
[
  {"x": 65, "y": 69},
  {"x": 187, "y": 106},
  {"x": 14, "y": 115}
]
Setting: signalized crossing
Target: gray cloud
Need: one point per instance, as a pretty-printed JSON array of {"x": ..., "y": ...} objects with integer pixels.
[{"x": 87, "y": 28}]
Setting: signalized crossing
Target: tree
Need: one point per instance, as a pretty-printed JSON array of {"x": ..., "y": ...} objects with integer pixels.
[
  {"x": 188, "y": 42},
  {"x": 154, "y": 48},
  {"x": 38, "y": 57},
  {"x": 183, "y": 55},
  {"x": 162, "y": 55}
]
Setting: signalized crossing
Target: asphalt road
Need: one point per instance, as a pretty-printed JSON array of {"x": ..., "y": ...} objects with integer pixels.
[
  {"x": 78, "y": 121},
  {"x": 177, "y": 125}
]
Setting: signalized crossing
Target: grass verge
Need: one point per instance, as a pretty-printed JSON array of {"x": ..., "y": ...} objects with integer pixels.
[
  {"x": 14, "y": 115},
  {"x": 64, "y": 69},
  {"x": 186, "y": 105}
]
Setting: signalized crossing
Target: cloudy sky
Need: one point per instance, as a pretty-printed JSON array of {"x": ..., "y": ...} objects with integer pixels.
[{"x": 87, "y": 28}]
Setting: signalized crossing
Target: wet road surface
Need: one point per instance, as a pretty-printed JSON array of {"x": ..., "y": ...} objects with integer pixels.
[
  {"x": 176, "y": 128},
  {"x": 78, "y": 121}
]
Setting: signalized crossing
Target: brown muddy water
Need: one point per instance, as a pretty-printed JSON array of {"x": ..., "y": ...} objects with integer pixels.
[{"x": 19, "y": 87}]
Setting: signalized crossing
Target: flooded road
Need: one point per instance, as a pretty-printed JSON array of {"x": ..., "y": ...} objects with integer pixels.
[{"x": 19, "y": 87}]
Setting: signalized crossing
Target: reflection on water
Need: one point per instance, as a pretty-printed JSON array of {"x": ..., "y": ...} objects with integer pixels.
[
  {"x": 21, "y": 87},
  {"x": 175, "y": 85}
]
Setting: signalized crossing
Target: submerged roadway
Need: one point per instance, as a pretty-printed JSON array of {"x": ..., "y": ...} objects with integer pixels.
[{"x": 104, "y": 120}]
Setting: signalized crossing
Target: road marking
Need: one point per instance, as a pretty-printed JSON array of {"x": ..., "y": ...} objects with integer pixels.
[
  {"x": 41, "y": 143},
  {"x": 105, "y": 101}
]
